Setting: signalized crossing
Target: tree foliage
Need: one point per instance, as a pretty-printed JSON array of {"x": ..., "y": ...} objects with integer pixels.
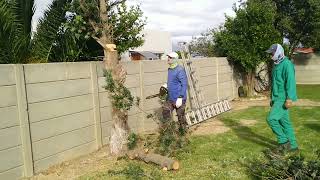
[
  {"x": 245, "y": 37},
  {"x": 298, "y": 21},
  {"x": 203, "y": 45},
  {"x": 121, "y": 97},
  {"x": 62, "y": 35},
  {"x": 125, "y": 24},
  {"x": 47, "y": 38},
  {"x": 15, "y": 31}
]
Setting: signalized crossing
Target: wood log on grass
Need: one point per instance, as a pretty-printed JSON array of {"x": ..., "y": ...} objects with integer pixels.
[{"x": 164, "y": 162}]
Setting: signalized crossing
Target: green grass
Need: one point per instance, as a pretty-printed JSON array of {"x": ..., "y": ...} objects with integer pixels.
[
  {"x": 309, "y": 92},
  {"x": 225, "y": 156}
]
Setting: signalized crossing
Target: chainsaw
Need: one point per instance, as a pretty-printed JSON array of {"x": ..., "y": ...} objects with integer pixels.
[{"x": 163, "y": 92}]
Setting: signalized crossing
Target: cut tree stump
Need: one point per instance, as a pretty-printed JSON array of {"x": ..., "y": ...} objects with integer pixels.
[{"x": 163, "y": 161}]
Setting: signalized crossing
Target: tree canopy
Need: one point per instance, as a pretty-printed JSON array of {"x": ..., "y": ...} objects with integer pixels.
[{"x": 65, "y": 32}]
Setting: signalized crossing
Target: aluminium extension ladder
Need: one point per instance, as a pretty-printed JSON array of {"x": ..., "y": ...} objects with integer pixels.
[{"x": 200, "y": 110}]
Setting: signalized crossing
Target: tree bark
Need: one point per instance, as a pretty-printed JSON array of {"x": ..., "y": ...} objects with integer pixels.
[
  {"x": 120, "y": 127},
  {"x": 249, "y": 81}
]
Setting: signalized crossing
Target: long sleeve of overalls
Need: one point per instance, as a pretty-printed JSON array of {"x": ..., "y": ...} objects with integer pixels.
[
  {"x": 283, "y": 82},
  {"x": 290, "y": 80}
]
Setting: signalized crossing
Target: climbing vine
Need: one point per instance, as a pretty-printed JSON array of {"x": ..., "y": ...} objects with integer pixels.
[{"x": 121, "y": 97}]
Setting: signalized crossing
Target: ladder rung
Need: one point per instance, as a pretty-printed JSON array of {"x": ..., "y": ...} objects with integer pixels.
[
  {"x": 213, "y": 110},
  {"x": 221, "y": 107},
  {"x": 199, "y": 116},
  {"x": 203, "y": 113},
  {"x": 194, "y": 117},
  {"x": 217, "y": 108},
  {"x": 188, "y": 118},
  {"x": 209, "y": 114}
]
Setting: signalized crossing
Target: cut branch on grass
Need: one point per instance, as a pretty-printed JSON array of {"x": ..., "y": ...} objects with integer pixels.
[{"x": 164, "y": 162}]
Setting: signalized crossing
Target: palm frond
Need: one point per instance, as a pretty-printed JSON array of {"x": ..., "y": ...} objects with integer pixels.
[
  {"x": 13, "y": 43},
  {"x": 24, "y": 11},
  {"x": 48, "y": 28}
]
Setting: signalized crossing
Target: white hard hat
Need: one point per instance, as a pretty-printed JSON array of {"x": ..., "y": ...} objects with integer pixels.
[{"x": 173, "y": 55}]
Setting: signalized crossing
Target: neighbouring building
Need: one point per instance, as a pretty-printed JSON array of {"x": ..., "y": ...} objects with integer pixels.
[
  {"x": 157, "y": 44},
  {"x": 307, "y": 65}
]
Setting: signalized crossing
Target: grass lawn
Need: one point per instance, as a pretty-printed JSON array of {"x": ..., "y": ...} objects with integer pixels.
[
  {"x": 311, "y": 92},
  {"x": 225, "y": 156}
]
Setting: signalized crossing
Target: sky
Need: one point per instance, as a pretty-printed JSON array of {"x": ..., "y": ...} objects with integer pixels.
[{"x": 182, "y": 18}]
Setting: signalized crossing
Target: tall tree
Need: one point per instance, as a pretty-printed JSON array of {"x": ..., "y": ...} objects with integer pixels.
[
  {"x": 298, "y": 21},
  {"x": 101, "y": 15},
  {"x": 76, "y": 38},
  {"x": 209, "y": 43},
  {"x": 246, "y": 37},
  {"x": 203, "y": 45}
]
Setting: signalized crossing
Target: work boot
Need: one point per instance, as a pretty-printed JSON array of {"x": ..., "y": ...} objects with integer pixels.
[
  {"x": 182, "y": 130},
  {"x": 294, "y": 151},
  {"x": 282, "y": 148}
]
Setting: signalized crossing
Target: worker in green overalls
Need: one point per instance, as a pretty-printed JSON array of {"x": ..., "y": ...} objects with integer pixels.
[{"x": 283, "y": 93}]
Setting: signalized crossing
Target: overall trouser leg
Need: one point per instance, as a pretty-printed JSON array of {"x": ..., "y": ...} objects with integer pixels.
[
  {"x": 279, "y": 121},
  {"x": 288, "y": 129}
]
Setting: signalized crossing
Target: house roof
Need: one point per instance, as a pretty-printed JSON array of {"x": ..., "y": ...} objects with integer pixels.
[
  {"x": 304, "y": 50},
  {"x": 147, "y": 54}
]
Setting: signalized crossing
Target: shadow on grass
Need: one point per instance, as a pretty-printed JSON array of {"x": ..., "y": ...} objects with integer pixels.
[
  {"x": 246, "y": 133},
  {"x": 313, "y": 126}
]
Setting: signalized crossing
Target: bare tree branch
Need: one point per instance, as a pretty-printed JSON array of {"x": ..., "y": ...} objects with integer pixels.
[
  {"x": 98, "y": 40},
  {"x": 115, "y": 3},
  {"x": 94, "y": 25}
]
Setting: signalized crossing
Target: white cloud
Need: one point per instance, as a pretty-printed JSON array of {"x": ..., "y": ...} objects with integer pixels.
[{"x": 183, "y": 18}]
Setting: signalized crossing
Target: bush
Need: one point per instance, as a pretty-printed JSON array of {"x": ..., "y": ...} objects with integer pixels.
[
  {"x": 287, "y": 166},
  {"x": 132, "y": 141}
]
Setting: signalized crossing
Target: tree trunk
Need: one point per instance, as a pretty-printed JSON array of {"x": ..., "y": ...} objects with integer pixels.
[
  {"x": 120, "y": 128},
  {"x": 249, "y": 82}
]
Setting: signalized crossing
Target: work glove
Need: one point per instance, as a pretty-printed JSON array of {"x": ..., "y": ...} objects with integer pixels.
[
  {"x": 288, "y": 104},
  {"x": 165, "y": 85},
  {"x": 179, "y": 102}
]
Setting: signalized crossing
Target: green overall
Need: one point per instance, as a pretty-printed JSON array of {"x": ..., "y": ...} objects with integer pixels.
[{"x": 283, "y": 88}]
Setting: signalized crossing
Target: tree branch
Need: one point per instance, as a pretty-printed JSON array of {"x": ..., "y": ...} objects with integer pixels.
[
  {"x": 98, "y": 40},
  {"x": 116, "y": 3},
  {"x": 91, "y": 22},
  {"x": 94, "y": 25}
]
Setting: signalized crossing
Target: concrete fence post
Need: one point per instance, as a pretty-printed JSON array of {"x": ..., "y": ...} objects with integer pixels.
[
  {"x": 142, "y": 95},
  {"x": 96, "y": 104},
  {"x": 217, "y": 75},
  {"x": 22, "y": 105},
  {"x": 234, "y": 86}
]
